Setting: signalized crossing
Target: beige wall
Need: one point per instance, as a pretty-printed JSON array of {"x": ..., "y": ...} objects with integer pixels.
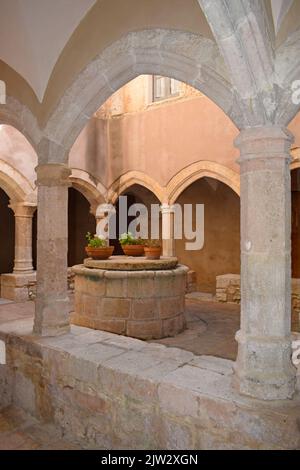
[
  {"x": 80, "y": 221},
  {"x": 133, "y": 134},
  {"x": 17, "y": 152},
  {"x": 221, "y": 251}
]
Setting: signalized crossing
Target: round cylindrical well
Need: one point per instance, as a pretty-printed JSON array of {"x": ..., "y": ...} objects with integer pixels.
[{"x": 142, "y": 304}]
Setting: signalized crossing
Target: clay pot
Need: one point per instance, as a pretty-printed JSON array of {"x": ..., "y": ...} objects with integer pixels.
[
  {"x": 102, "y": 252},
  {"x": 152, "y": 252},
  {"x": 133, "y": 250}
]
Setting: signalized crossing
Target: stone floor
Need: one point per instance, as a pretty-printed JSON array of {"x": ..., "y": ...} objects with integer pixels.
[
  {"x": 211, "y": 326},
  {"x": 18, "y": 431},
  {"x": 211, "y": 329}
]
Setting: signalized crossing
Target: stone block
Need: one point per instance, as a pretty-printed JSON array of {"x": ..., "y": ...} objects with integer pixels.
[
  {"x": 24, "y": 394},
  {"x": 89, "y": 305},
  {"x": 116, "y": 286},
  {"x": 83, "y": 320},
  {"x": 113, "y": 325},
  {"x": 18, "y": 294},
  {"x": 173, "y": 326},
  {"x": 144, "y": 329},
  {"x": 165, "y": 284},
  {"x": 174, "y": 435},
  {"x": 16, "y": 286},
  {"x": 90, "y": 285},
  {"x": 144, "y": 309},
  {"x": 221, "y": 297},
  {"x": 140, "y": 284},
  {"x": 171, "y": 306},
  {"x": 114, "y": 308}
]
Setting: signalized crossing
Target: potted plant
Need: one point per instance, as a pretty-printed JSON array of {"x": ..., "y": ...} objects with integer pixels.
[
  {"x": 97, "y": 247},
  {"x": 152, "y": 249},
  {"x": 131, "y": 246}
]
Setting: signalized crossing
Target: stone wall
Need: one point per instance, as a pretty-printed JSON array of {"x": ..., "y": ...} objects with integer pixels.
[
  {"x": 228, "y": 290},
  {"x": 108, "y": 391}
]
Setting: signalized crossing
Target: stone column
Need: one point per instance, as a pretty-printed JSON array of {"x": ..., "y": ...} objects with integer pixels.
[
  {"x": 52, "y": 303},
  {"x": 168, "y": 241},
  {"x": 23, "y": 237},
  {"x": 15, "y": 286},
  {"x": 263, "y": 368}
]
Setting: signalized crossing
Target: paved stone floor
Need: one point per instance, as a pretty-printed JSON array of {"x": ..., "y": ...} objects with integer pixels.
[
  {"x": 211, "y": 326},
  {"x": 19, "y": 431}
]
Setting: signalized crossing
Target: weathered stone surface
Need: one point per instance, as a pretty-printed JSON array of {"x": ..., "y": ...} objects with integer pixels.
[
  {"x": 152, "y": 329},
  {"x": 130, "y": 263},
  {"x": 264, "y": 368},
  {"x": 17, "y": 286},
  {"x": 142, "y": 304},
  {"x": 100, "y": 389},
  {"x": 228, "y": 290}
]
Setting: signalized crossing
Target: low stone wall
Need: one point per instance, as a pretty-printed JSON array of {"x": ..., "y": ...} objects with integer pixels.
[
  {"x": 109, "y": 391},
  {"x": 22, "y": 287},
  {"x": 142, "y": 304},
  {"x": 228, "y": 290},
  {"x": 17, "y": 287}
]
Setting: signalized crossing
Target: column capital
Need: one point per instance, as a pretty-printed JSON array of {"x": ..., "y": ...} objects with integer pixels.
[
  {"x": 166, "y": 208},
  {"x": 23, "y": 209},
  {"x": 264, "y": 143},
  {"x": 53, "y": 174}
]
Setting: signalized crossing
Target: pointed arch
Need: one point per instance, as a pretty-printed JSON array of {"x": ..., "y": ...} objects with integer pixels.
[
  {"x": 201, "y": 169},
  {"x": 130, "y": 178}
]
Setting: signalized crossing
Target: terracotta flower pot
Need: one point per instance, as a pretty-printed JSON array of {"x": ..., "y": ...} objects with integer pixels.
[
  {"x": 102, "y": 252},
  {"x": 152, "y": 252},
  {"x": 133, "y": 250}
]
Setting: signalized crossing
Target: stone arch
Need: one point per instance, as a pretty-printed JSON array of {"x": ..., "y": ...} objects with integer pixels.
[
  {"x": 16, "y": 186},
  {"x": 185, "y": 56},
  {"x": 195, "y": 171},
  {"x": 87, "y": 185},
  {"x": 130, "y": 178},
  {"x": 16, "y": 114}
]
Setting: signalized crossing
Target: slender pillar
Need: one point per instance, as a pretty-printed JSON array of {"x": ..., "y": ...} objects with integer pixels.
[
  {"x": 23, "y": 237},
  {"x": 15, "y": 285},
  {"x": 168, "y": 241},
  {"x": 263, "y": 368},
  {"x": 52, "y": 303}
]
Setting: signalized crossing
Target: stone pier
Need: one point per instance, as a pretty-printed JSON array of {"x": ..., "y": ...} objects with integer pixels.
[
  {"x": 52, "y": 305},
  {"x": 264, "y": 368}
]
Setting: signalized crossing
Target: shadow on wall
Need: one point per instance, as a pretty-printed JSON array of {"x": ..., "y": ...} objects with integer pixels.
[
  {"x": 7, "y": 235},
  {"x": 80, "y": 221},
  {"x": 221, "y": 251}
]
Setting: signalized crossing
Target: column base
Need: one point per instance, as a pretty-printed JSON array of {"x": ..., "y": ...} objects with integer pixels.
[
  {"x": 52, "y": 318},
  {"x": 17, "y": 286},
  {"x": 264, "y": 369}
]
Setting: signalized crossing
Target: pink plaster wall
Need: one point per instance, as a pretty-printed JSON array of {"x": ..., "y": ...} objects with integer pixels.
[
  {"x": 17, "y": 152},
  {"x": 168, "y": 135}
]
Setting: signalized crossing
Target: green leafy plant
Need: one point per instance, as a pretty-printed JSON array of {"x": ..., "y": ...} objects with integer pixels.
[
  {"x": 151, "y": 243},
  {"x": 94, "y": 241},
  {"x": 128, "y": 239}
]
